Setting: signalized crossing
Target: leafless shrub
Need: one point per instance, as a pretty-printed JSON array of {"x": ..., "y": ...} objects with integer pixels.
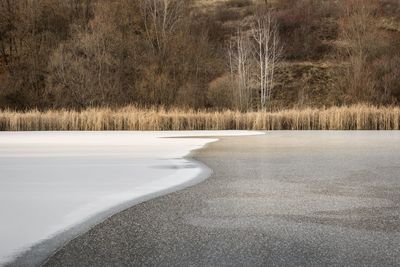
[
  {"x": 240, "y": 58},
  {"x": 220, "y": 93},
  {"x": 82, "y": 72},
  {"x": 387, "y": 74},
  {"x": 361, "y": 44},
  {"x": 29, "y": 32}
]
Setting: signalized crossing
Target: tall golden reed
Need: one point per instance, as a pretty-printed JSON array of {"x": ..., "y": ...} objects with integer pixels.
[{"x": 358, "y": 117}]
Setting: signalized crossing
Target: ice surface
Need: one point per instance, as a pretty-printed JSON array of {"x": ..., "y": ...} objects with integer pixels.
[{"x": 51, "y": 181}]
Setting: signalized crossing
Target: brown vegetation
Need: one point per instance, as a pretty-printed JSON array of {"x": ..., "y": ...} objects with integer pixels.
[
  {"x": 359, "y": 117},
  {"x": 79, "y": 54}
]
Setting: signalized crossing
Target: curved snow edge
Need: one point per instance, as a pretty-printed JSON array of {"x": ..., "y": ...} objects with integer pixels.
[{"x": 39, "y": 253}]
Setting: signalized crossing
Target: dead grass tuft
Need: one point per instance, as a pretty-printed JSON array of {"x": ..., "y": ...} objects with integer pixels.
[{"x": 358, "y": 117}]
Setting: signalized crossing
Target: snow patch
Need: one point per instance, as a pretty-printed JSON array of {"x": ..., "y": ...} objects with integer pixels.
[{"x": 52, "y": 181}]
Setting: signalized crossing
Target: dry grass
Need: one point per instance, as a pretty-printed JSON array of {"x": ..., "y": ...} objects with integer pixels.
[{"x": 359, "y": 117}]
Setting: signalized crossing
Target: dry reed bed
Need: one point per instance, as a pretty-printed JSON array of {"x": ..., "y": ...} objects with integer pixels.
[{"x": 359, "y": 117}]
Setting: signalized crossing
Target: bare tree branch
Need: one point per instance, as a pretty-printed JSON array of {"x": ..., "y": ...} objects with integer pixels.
[{"x": 267, "y": 52}]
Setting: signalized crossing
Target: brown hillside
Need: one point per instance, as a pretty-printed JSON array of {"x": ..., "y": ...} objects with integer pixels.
[
  {"x": 174, "y": 54},
  {"x": 311, "y": 72}
]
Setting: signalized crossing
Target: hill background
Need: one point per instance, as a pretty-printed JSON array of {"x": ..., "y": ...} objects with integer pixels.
[{"x": 79, "y": 54}]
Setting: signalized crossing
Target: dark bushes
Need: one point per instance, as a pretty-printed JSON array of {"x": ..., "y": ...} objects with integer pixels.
[{"x": 306, "y": 26}]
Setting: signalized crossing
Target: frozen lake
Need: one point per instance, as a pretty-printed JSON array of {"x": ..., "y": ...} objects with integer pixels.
[
  {"x": 290, "y": 198},
  {"x": 52, "y": 181}
]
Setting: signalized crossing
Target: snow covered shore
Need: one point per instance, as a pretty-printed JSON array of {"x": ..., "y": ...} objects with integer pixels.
[{"x": 52, "y": 181}]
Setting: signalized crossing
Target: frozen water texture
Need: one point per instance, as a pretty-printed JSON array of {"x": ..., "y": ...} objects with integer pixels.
[{"x": 51, "y": 181}]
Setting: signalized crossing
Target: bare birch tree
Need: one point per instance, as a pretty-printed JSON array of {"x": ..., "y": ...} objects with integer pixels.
[
  {"x": 267, "y": 52},
  {"x": 240, "y": 61}
]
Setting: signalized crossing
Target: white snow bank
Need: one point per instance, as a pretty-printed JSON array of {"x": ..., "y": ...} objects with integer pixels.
[{"x": 51, "y": 181}]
